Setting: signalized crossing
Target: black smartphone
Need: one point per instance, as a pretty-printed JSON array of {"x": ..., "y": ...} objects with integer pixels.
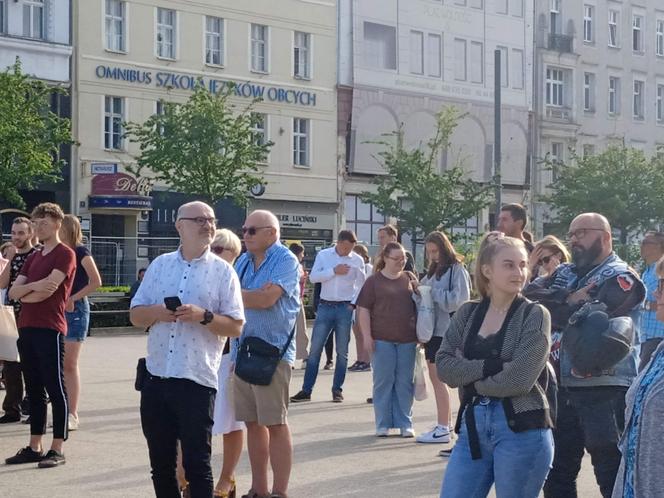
[{"x": 172, "y": 303}]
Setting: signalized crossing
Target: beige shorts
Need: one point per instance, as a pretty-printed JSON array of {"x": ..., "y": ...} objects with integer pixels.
[{"x": 266, "y": 405}]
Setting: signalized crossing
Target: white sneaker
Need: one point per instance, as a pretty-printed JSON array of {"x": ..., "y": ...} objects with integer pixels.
[
  {"x": 436, "y": 435},
  {"x": 382, "y": 432},
  {"x": 72, "y": 423},
  {"x": 407, "y": 432}
]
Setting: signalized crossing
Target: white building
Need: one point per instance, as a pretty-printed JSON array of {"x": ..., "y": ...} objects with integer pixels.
[{"x": 401, "y": 61}]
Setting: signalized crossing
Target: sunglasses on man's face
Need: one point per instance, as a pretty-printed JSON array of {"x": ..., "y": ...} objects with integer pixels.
[
  {"x": 252, "y": 230},
  {"x": 218, "y": 250}
]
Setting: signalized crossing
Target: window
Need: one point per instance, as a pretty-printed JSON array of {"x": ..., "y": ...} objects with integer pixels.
[
  {"x": 589, "y": 92},
  {"x": 166, "y": 33},
  {"x": 477, "y": 4},
  {"x": 556, "y": 157},
  {"x": 588, "y": 14},
  {"x": 3, "y": 6},
  {"x": 363, "y": 218},
  {"x": 460, "y": 2},
  {"x": 554, "y": 13},
  {"x": 434, "y": 55},
  {"x": 504, "y": 69},
  {"x": 660, "y": 103},
  {"x": 416, "y": 58},
  {"x": 588, "y": 150},
  {"x": 160, "y": 110},
  {"x": 259, "y": 54},
  {"x": 613, "y": 28},
  {"x": 380, "y": 46},
  {"x": 259, "y": 128},
  {"x": 660, "y": 37},
  {"x": 115, "y": 25},
  {"x": 113, "y": 123},
  {"x": 459, "y": 59},
  {"x": 33, "y": 19},
  {"x": 214, "y": 40},
  {"x": 637, "y": 34},
  {"x": 301, "y": 142},
  {"x": 517, "y": 68},
  {"x": 302, "y": 55},
  {"x": 516, "y": 8},
  {"x": 614, "y": 95},
  {"x": 554, "y": 87},
  {"x": 638, "y": 110},
  {"x": 501, "y": 6},
  {"x": 476, "y": 62}
]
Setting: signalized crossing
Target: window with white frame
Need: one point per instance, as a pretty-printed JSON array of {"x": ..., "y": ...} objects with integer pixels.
[
  {"x": 434, "y": 55},
  {"x": 588, "y": 15},
  {"x": 166, "y": 35},
  {"x": 660, "y": 103},
  {"x": 589, "y": 92},
  {"x": 501, "y": 6},
  {"x": 460, "y": 2},
  {"x": 363, "y": 218},
  {"x": 460, "y": 73},
  {"x": 160, "y": 110},
  {"x": 588, "y": 150},
  {"x": 33, "y": 19},
  {"x": 115, "y": 24},
  {"x": 259, "y": 48},
  {"x": 113, "y": 123},
  {"x": 614, "y": 17},
  {"x": 659, "y": 46},
  {"x": 380, "y": 46},
  {"x": 301, "y": 141},
  {"x": 214, "y": 40},
  {"x": 516, "y": 8},
  {"x": 556, "y": 157},
  {"x": 302, "y": 55},
  {"x": 504, "y": 67},
  {"x": 517, "y": 68},
  {"x": 476, "y": 62},
  {"x": 555, "y": 87},
  {"x": 416, "y": 53},
  {"x": 259, "y": 128},
  {"x": 638, "y": 106},
  {"x": 614, "y": 95},
  {"x": 555, "y": 16},
  {"x": 477, "y": 4},
  {"x": 637, "y": 33}
]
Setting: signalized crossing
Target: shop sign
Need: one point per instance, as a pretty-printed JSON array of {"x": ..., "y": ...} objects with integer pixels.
[
  {"x": 112, "y": 202},
  {"x": 121, "y": 184},
  {"x": 294, "y": 220},
  {"x": 104, "y": 168}
]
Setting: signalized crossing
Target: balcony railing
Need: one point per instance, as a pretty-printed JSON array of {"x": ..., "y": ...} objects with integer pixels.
[{"x": 560, "y": 43}]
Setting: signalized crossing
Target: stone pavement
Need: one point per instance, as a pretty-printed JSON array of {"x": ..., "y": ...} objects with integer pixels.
[{"x": 336, "y": 454}]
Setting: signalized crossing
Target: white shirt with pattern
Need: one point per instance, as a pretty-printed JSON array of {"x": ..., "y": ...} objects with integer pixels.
[{"x": 186, "y": 350}]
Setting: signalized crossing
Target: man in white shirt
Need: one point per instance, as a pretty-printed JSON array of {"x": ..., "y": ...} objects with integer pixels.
[
  {"x": 184, "y": 350},
  {"x": 341, "y": 273}
]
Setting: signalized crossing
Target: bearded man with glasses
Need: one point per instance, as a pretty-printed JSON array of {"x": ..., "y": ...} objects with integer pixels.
[{"x": 591, "y": 301}]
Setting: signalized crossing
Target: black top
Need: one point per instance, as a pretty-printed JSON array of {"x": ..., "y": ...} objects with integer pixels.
[
  {"x": 15, "y": 268},
  {"x": 483, "y": 348},
  {"x": 81, "y": 279}
]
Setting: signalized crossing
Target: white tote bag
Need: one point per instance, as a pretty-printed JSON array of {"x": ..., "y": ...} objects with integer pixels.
[
  {"x": 8, "y": 334},
  {"x": 426, "y": 315},
  {"x": 419, "y": 375}
]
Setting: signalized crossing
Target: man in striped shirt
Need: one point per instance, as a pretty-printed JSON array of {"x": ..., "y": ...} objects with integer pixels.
[{"x": 651, "y": 330}]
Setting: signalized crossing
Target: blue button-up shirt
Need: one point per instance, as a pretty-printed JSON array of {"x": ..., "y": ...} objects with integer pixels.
[
  {"x": 274, "y": 325},
  {"x": 649, "y": 326}
]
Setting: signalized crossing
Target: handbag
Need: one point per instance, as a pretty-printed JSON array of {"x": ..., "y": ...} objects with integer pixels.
[
  {"x": 8, "y": 334},
  {"x": 419, "y": 375},
  {"x": 426, "y": 315},
  {"x": 257, "y": 360}
]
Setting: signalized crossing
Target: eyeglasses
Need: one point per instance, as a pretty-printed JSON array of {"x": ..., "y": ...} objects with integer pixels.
[
  {"x": 202, "y": 220},
  {"x": 399, "y": 259},
  {"x": 218, "y": 250},
  {"x": 582, "y": 232},
  {"x": 252, "y": 230}
]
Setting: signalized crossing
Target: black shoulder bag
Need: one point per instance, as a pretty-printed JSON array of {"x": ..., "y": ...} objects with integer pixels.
[{"x": 257, "y": 360}]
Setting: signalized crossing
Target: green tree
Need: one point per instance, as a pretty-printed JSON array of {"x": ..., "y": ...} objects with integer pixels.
[
  {"x": 416, "y": 192},
  {"x": 621, "y": 183},
  {"x": 205, "y": 146},
  {"x": 30, "y": 135}
]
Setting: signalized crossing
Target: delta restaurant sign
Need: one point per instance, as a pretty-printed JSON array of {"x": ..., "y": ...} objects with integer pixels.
[
  {"x": 178, "y": 81},
  {"x": 120, "y": 191}
]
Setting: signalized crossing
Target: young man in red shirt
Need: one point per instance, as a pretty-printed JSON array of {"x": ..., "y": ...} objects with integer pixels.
[{"x": 43, "y": 287}]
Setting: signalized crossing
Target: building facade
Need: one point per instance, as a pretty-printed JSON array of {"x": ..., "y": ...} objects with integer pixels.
[
  {"x": 37, "y": 33},
  {"x": 401, "y": 61},
  {"x": 599, "y": 79},
  {"x": 130, "y": 55}
]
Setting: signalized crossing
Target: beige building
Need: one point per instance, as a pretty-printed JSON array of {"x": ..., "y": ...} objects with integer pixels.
[{"x": 130, "y": 54}]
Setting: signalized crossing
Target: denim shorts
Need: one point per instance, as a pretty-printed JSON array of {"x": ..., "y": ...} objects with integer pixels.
[{"x": 78, "y": 321}]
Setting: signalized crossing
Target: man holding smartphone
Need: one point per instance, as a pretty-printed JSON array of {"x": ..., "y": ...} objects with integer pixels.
[{"x": 191, "y": 300}]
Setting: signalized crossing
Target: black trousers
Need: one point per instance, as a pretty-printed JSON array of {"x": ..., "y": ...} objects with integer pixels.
[
  {"x": 11, "y": 372},
  {"x": 591, "y": 419},
  {"x": 42, "y": 360},
  {"x": 172, "y": 410}
]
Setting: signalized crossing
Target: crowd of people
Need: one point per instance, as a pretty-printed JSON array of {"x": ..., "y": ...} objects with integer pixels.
[{"x": 542, "y": 344}]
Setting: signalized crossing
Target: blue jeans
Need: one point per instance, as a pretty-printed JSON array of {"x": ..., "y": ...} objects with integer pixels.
[
  {"x": 328, "y": 317},
  {"x": 78, "y": 321},
  {"x": 393, "y": 365},
  {"x": 517, "y": 462}
]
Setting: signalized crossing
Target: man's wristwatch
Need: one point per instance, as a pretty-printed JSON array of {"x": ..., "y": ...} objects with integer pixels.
[{"x": 208, "y": 316}]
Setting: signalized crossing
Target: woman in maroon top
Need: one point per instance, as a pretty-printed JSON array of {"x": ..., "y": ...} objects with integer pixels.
[{"x": 387, "y": 316}]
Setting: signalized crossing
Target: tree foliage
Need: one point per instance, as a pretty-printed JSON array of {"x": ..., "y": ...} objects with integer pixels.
[
  {"x": 621, "y": 183},
  {"x": 416, "y": 192},
  {"x": 205, "y": 147},
  {"x": 30, "y": 135}
]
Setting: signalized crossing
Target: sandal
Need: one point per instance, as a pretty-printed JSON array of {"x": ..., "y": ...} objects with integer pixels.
[{"x": 227, "y": 494}]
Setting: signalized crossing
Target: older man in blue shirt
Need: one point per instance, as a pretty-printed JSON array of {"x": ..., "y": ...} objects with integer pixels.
[
  {"x": 651, "y": 330},
  {"x": 270, "y": 280}
]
